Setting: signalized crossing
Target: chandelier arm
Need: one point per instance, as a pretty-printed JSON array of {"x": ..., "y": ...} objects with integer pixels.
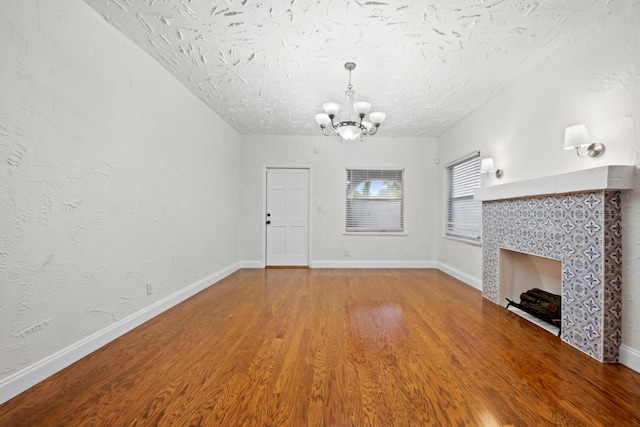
[
  {"x": 373, "y": 130},
  {"x": 333, "y": 124},
  {"x": 364, "y": 129}
]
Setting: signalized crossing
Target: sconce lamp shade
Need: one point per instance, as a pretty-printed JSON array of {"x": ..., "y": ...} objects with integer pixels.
[
  {"x": 576, "y": 137},
  {"x": 487, "y": 166}
]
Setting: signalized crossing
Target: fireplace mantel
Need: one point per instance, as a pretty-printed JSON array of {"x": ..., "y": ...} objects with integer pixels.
[
  {"x": 613, "y": 177},
  {"x": 575, "y": 218}
]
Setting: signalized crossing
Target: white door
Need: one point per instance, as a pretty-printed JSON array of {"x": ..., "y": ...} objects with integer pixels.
[{"x": 287, "y": 217}]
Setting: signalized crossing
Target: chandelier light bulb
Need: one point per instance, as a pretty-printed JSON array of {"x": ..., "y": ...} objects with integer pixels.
[
  {"x": 361, "y": 108},
  {"x": 349, "y": 132},
  {"x": 331, "y": 108},
  {"x": 323, "y": 119},
  {"x": 377, "y": 118}
]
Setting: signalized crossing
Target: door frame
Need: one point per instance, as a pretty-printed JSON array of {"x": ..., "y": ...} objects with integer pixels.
[{"x": 263, "y": 216}]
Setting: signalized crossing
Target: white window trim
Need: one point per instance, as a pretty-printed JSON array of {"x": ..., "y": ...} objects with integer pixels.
[
  {"x": 369, "y": 231},
  {"x": 477, "y": 240}
]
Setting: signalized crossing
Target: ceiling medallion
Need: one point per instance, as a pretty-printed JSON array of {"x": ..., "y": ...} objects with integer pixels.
[{"x": 349, "y": 128}]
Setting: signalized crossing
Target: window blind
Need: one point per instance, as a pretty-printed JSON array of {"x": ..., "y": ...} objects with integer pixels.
[
  {"x": 375, "y": 200},
  {"x": 464, "y": 215}
]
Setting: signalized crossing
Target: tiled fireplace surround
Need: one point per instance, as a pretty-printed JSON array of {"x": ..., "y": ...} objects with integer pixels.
[{"x": 574, "y": 218}]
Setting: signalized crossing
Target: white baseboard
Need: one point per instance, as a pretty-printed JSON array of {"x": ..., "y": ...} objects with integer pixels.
[
  {"x": 252, "y": 264},
  {"x": 373, "y": 264},
  {"x": 354, "y": 264},
  {"x": 630, "y": 358},
  {"x": 33, "y": 374},
  {"x": 468, "y": 279}
]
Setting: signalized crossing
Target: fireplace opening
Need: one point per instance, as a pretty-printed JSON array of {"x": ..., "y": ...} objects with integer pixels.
[
  {"x": 541, "y": 304},
  {"x": 531, "y": 286}
]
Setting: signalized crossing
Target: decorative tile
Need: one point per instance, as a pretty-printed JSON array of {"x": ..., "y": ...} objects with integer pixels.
[
  {"x": 591, "y": 306},
  {"x": 581, "y": 230},
  {"x": 568, "y": 226},
  {"x": 568, "y": 202},
  {"x": 592, "y": 253},
  {"x": 591, "y": 279},
  {"x": 616, "y": 228},
  {"x": 592, "y": 201},
  {"x": 592, "y": 227}
]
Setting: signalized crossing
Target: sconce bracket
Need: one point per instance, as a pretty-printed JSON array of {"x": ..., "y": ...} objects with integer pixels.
[{"x": 595, "y": 150}]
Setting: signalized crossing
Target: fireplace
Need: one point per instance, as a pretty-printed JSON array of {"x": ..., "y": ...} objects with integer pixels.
[
  {"x": 520, "y": 272},
  {"x": 539, "y": 279},
  {"x": 575, "y": 220}
]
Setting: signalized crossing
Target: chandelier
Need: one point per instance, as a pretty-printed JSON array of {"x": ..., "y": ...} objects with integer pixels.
[{"x": 349, "y": 128}]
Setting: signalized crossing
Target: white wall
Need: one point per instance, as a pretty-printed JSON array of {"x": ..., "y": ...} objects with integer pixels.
[
  {"x": 593, "y": 80},
  {"x": 112, "y": 175},
  {"x": 327, "y": 158}
]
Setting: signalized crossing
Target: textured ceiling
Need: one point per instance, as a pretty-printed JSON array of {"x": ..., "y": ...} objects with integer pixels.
[{"x": 267, "y": 66}]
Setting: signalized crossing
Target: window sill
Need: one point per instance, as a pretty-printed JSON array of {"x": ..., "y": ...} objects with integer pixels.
[
  {"x": 374, "y": 233},
  {"x": 461, "y": 240}
]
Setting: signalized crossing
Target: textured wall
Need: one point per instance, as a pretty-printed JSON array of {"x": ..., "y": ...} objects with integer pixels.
[
  {"x": 328, "y": 158},
  {"x": 112, "y": 175},
  {"x": 594, "y": 81}
]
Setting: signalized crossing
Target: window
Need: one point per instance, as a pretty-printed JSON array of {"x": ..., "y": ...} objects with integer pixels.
[
  {"x": 463, "y": 213},
  {"x": 375, "y": 200}
]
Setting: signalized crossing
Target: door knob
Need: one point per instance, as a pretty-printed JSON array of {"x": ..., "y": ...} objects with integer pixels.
[{"x": 268, "y": 222}]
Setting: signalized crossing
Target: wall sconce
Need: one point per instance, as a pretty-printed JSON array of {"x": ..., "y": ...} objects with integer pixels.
[
  {"x": 487, "y": 166},
  {"x": 578, "y": 137}
]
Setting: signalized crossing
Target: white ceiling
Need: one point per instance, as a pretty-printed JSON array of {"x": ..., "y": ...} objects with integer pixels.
[{"x": 267, "y": 66}]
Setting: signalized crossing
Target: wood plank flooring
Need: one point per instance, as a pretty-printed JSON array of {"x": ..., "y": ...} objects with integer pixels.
[{"x": 330, "y": 347}]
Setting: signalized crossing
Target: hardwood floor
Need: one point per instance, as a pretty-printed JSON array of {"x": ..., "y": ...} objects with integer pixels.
[{"x": 325, "y": 347}]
